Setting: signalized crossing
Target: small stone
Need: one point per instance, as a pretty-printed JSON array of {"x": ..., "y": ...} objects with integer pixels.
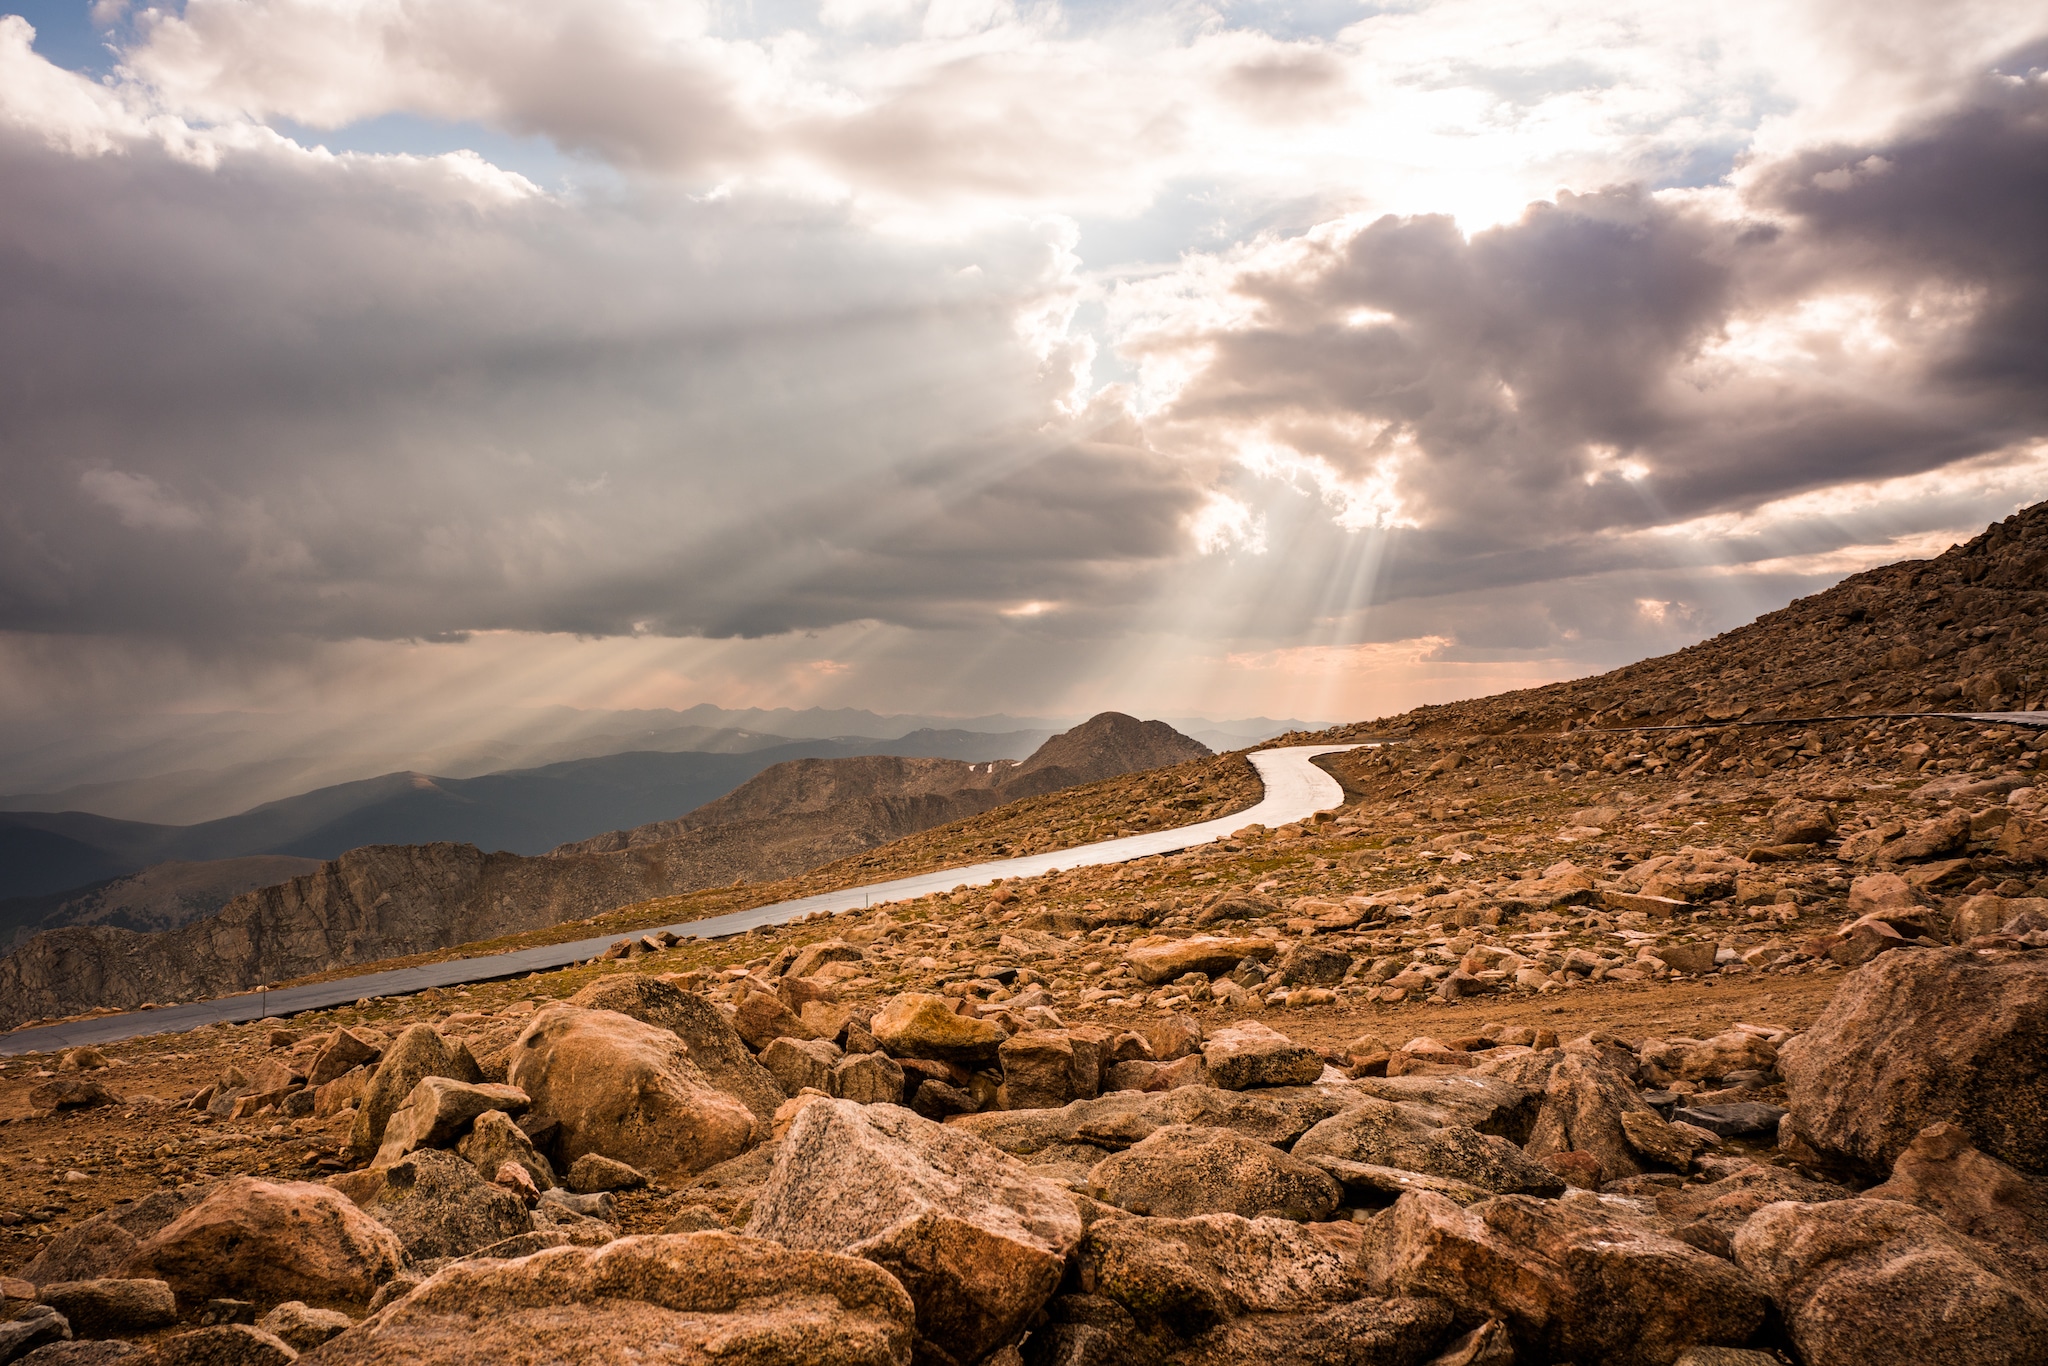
[
  {"x": 26, "y": 1334},
  {"x": 799, "y": 1063},
  {"x": 302, "y": 1327},
  {"x": 868, "y": 1079},
  {"x": 494, "y": 1140},
  {"x": 107, "y": 1307},
  {"x": 437, "y": 1110},
  {"x": 594, "y": 1172}
]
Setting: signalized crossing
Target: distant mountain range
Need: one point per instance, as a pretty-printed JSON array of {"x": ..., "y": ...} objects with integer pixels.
[
  {"x": 196, "y": 769},
  {"x": 384, "y": 899},
  {"x": 525, "y": 811}
]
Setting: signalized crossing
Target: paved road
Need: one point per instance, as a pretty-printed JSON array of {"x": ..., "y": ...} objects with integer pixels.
[{"x": 1294, "y": 788}]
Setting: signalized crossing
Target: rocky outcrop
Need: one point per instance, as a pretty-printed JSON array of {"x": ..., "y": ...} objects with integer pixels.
[
  {"x": 1925, "y": 1036},
  {"x": 701, "y": 1297}
]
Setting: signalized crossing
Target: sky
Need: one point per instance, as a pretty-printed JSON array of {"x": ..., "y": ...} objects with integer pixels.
[{"x": 1309, "y": 358}]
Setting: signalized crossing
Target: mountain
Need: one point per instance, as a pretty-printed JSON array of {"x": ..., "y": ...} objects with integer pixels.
[
  {"x": 525, "y": 811},
  {"x": 161, "y": 897},
  {"x": 388, "y": 900},
  {"x": 187, "y": 769}
]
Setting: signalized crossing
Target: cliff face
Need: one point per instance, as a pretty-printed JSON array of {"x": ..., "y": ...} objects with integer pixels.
[
  {"x": 378, "y": 902},
  {"x": 387, "y": 901}
]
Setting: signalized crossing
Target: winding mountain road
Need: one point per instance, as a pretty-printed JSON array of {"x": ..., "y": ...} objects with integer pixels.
[{"x": 1295, "y": 788}]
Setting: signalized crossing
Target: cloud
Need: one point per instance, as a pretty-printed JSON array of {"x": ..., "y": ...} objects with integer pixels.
[{"x": 818, "y": 385}]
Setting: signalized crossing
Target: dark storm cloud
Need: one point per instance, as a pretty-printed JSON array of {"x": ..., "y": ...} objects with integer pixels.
[{"x": 369, "y": 398}]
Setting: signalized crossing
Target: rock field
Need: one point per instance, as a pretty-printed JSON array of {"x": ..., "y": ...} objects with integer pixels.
[{"x": 1557, "y": 1043}]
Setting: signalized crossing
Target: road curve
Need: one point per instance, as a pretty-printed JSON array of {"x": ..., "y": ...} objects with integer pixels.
[{"x": 1294, "y": 788}]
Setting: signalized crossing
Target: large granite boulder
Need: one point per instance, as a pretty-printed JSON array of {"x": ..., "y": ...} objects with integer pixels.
[
  {"x": 715, "y": 1046},
  {"x": 1190, "y": 1275},
  {"x": 1180, "y": 1170},
  {"x": 689, "y": 1299},
  {"x": 1927, "y": 1036},
  {"x": 1390, "y": 1134},
  {"x": 1883, "y": 1283},
  {"x": 628, "y": 1091},
  {"x": 284, "y": 1240},
  {"x": 1571, "y": 1281},
  {"x": 1591, "y": 1107},
  {"x": 977, "y": 1239}
]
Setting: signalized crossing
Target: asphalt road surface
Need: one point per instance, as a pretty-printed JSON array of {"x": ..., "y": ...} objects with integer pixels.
[{"x": 1294, "y": 788}]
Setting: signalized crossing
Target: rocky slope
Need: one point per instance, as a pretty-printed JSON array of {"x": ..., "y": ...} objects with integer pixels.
[
  {"x": 162, "y": 897},
  {"x": 386, "y": 901}
]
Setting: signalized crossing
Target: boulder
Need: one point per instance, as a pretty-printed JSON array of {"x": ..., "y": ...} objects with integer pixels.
[
  {"x": 109, "y": 1306},
  {"x": 493, "y": 1140},
  {"x": 437, "y": 1112},
  {"x": 592, "y": 1173},
  {"x": 627, "y": 1090},
  {"x": 917, "y": 1025},
  {"x": 1366, "y": 1332},
  {"x": 1038, "y": 1071},
  {"x": 978, "y": 1241},
  {"x": 1386, "y": 1134},
  {"x": 681, "y": 1298},
  {"x": 31, "y": 1333},
  {"x": 1180, "y": 1170},
  {"x": 438, "y": 1204},
  {"x": 226, "y": 1344},
  {"x": 1571, "y": 1282},
  {"x": 1309, "y": 964},
  {"x": 1589, "y": 1107},
  {"x": 1250, "y": 1054},
  {"x": 814, "y": 956},
  {"x": 344, "y": 1051},
  {"x": 96, "y": 1248},
  {"x": 868, "y": 1079},
  {"x": 1502, "y": 1098},
  {"x": 1801, "y": 822},
  {"x": 1920, "y": 1037},
  {"x": 1210, "y": 955},
  {"x": 1881, "y": 1283},
  {"x": 1977, "y": 1196},
  {"x": 82, "y": 1352},
  {"x": 762, "y": 1018},
  {"x": 302, "y": 1327},
  {"x": 799, "y": 1063},
  {"x": 70, "y": 1093},
  {"x": 1732, "y": 1050},
  {"x": 414, "y": 1056},
  {"x": 716, "y": 1048},
  {"x": 252, "y": 1239},
  {"x": 1171, "y": 1036},
  {"x": 1932, "y": 839},
  {"x": 1124, "y": 1118},
  {"x": 1193, "y": 1274},
  {"x": 1139, "y": 1075}
]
